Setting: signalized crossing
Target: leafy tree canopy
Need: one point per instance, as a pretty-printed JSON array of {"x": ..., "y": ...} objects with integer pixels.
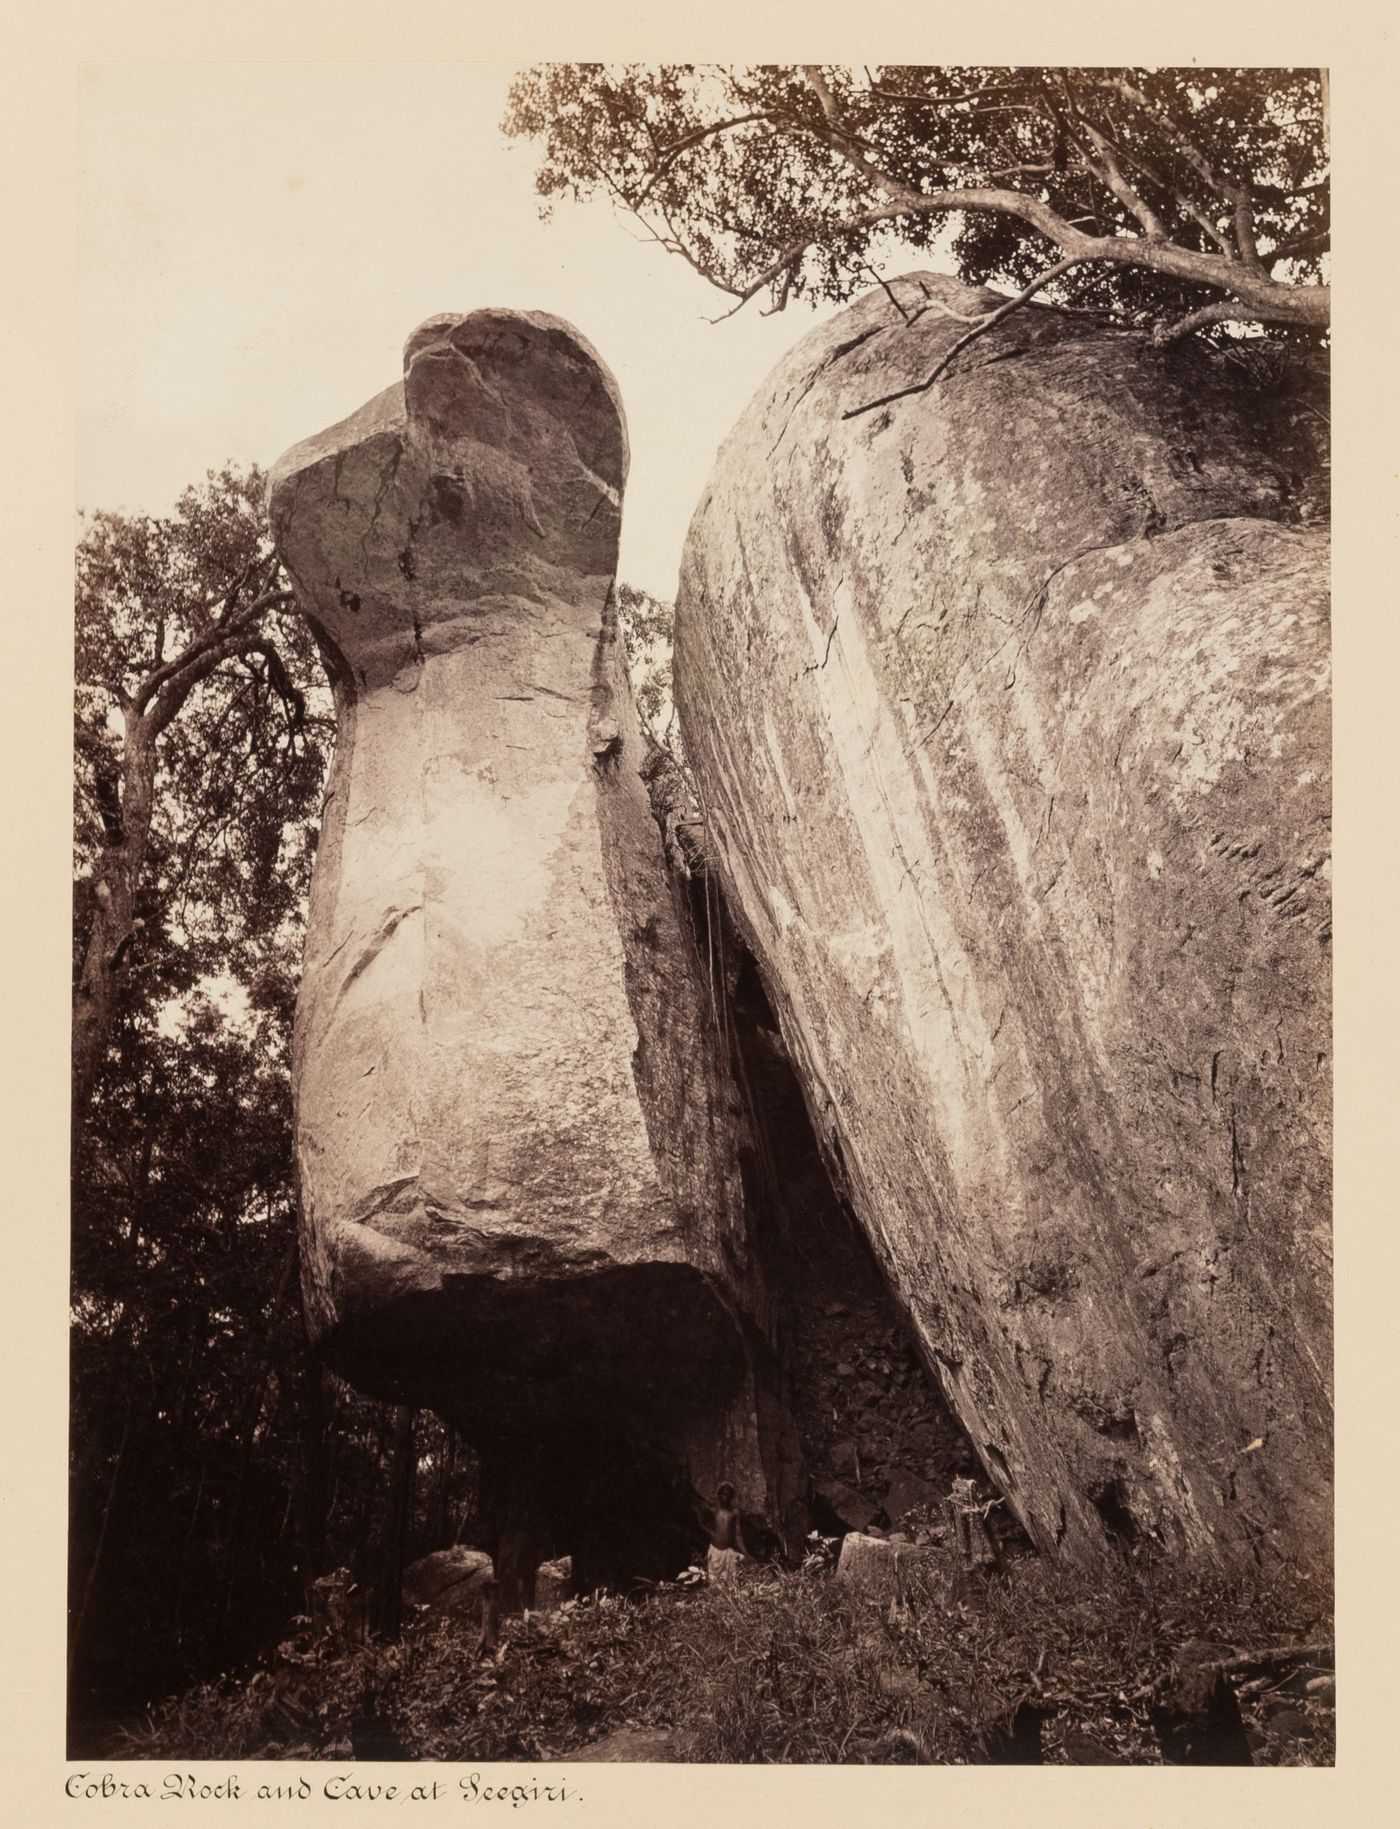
[
  {"x": 201, "y": 727},
  {"x": 1179, "y": 197}
]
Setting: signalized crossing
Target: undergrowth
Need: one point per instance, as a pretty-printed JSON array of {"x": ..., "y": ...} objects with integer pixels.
[{"x": 782, "y": 1667}]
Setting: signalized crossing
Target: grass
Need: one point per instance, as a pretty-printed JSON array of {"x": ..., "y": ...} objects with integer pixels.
[{"x": 784, "y": 1667}]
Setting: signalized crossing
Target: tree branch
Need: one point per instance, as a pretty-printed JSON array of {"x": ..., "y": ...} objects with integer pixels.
[
  {"x": 293, "y": 700},
  {"x": 983, "y": 324},
  {"x": 1317, "y": 242},
  {"x": 845, "y": 145},
  {"x": 1234, "y": 193},
  {"x": 1179, "y": 197},
  {"x": 668, "y": 155},
  {"x": 235, "y": 590},
  {"x": 1229, "y": 266},
  {"x": 236, "y": 626},
  {"x": 1268, "y": 300},
  {"x": 1222, "y": 312},
  {"x": 673, "y": 244},
  {"x": 1113, "y": 179},
  {"x": 1244, "y": 232},
  {"x": 946, "y": 101},
  {"x": 884, "y": 285},
  {"x": 1010, "y": 203},
  {"x": 1119, "y": 85},
  {"x": 1323, "y": 1653},
  {"x": 197, "y": 665}
]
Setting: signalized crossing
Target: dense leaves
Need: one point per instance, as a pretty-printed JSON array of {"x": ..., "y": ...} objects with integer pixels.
[
  {"x": 1166, "y": 188},
  {"x": 648, "y": 632},
  {"x": 202, "y": 722}
]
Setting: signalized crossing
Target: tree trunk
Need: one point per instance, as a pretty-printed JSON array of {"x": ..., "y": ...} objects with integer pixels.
[
  {"x": 442, "y": 1531},
  {"x": 313, "y": 1466},
  {"x": 90, "y": 1584},
  {"x": 396, "y": 1535},
  {"x": 146, "y": 714},
  {"x": 117, "y": 880},
  {"x": 518, "y": 1485}
]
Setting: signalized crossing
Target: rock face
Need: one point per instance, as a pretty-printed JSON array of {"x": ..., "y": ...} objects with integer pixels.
[
  {"x": 515, "y": 1138},
  {"x": 1008, "y": 703}
]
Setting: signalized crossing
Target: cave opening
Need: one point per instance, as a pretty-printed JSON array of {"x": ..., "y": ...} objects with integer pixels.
[
  {"x": 877, "y": 1440},
  {"x": 1110, "y": 1501},
  {"x": 622, "y": 1511}
]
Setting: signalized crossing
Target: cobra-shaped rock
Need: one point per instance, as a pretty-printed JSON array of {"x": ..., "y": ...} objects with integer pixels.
[{"x": 515, "y": 1137}]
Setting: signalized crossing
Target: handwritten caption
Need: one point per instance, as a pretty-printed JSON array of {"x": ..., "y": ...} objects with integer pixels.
[{"x": 337, "y": 1788}]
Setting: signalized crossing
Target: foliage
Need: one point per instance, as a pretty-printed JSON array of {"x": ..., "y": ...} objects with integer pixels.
[
  {"x": 648, "y": 631},
  {"x": 1137, "y": 191},
  {"x": 230, "y": 702},
  {"x": 785, "y": 1667}
]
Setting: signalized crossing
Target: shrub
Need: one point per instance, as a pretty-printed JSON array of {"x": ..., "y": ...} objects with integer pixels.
[{"x": 785, "y": 1667}]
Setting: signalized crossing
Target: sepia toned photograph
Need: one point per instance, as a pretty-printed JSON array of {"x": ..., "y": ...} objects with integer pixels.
[{"x": 702, "y": 1008}]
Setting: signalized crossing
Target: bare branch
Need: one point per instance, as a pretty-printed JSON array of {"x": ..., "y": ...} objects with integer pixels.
[
  {"x": 1222, "y": 312},
  {"x": 985, "y": 323},
  {"x": 940, "y": 310},
  {"x": 884, "y": 285}
]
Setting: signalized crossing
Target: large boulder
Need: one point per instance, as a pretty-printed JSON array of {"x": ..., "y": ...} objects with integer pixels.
[
  {"x": 1007, "y": 698},
  {"x": 453, "y": 1583},
  {"x": 521, "y": 1203}
]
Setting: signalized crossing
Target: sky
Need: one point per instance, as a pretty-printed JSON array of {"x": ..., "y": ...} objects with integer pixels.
[{"x": 257, "y": 241}]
